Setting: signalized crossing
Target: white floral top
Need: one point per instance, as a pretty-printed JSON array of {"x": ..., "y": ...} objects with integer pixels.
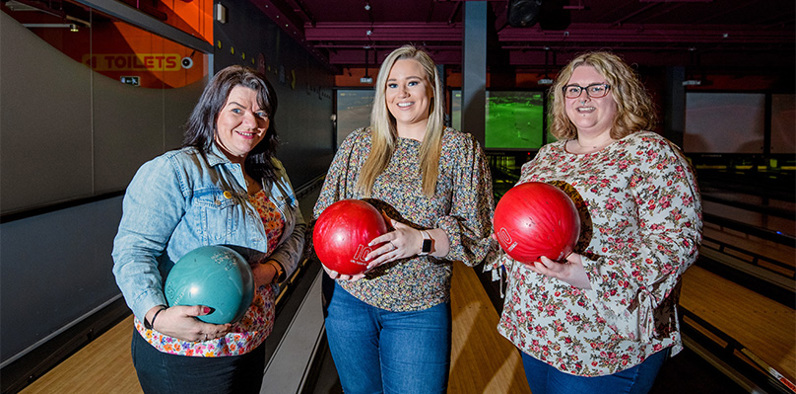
[{"x": 641, "y": 225}]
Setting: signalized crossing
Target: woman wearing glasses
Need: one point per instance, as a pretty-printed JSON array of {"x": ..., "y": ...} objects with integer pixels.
[{"x": 604, "y": 319}]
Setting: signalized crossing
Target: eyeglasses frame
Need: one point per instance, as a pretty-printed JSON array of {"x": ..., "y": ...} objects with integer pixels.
[{"x": 585, "y": 89}]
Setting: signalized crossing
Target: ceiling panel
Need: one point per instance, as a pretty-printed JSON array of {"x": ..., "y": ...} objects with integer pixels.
[{"x": 748, "y": 33}]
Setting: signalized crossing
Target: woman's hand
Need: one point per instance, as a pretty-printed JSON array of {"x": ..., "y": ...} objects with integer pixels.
[
  {"x": 398, "y": 244},
  {"x": 180, "y": 322},
  {"x": 336, "y": 275},
  {"x": 571, "y": 271},
  {"x": 264, "y": 273}
]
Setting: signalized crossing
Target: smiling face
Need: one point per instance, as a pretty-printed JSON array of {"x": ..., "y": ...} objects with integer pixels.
[
  {"x": 408, "y": 94},
  {"x": 591, "y": 116},
  {"x": 241, "y": 124}
]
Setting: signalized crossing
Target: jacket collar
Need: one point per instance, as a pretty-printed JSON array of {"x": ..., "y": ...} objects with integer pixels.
[{"x": 215, "y": 156}]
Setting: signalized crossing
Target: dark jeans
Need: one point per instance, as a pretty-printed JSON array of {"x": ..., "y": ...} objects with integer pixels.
[
  {"x": 167, "y": 373},
  {"x": 546, "y": 379}
]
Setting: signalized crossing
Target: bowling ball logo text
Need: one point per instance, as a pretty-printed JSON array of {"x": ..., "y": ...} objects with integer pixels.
[{"x": 359, "y": 255}]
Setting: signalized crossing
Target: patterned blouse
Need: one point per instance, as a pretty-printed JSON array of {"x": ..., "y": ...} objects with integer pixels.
[
  {"x": 258, "y": 322},
  {"x": 462, "y": 206},
  {"x": 641, "y": 225}
]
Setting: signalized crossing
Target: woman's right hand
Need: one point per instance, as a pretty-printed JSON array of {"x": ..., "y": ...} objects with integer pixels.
[
  {"x": 570, "y": 271},
  {"x": 336, "y": 275},
  {"x": 180, "y": 322}
]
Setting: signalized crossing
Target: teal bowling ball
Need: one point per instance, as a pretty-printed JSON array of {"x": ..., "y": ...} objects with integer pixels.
[{"x": 213, "y": 276}]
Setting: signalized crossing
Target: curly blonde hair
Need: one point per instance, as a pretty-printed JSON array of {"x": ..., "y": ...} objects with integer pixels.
[{"x": 634, "y": 108}]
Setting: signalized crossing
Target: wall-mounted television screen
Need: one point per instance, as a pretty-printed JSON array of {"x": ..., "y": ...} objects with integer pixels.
[
  {"x": 724, "y": 122},
  {"x": 514, "y": 119},
  {"x": 783, "y": 122}
]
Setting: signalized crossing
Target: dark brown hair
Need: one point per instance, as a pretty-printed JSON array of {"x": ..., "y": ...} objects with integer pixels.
[{"x": 201, "y": 126}]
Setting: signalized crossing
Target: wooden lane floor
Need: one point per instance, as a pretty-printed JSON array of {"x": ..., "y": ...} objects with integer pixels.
[
  {"x": 764, "y": 327},
  {"x": 784, "y": 225},
  {"x": 103, "y": 366},
  {"x": 761, "y": 247},
  {"x": 481, "y": 361}
]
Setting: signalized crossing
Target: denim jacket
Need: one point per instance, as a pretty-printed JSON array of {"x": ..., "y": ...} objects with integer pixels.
[{"x": 182, "y": 200}]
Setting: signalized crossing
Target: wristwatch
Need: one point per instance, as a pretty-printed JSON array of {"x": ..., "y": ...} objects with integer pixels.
[
  {"x": 280, "y": 273},
  {"x": 427, "y": 243}
]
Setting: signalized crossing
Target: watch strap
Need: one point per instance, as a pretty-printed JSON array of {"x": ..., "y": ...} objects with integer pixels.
[{"x": 280, "y": 272}]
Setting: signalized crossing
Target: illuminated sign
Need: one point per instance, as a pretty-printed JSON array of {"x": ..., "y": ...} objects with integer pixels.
[{"x": 134, "y": 62}]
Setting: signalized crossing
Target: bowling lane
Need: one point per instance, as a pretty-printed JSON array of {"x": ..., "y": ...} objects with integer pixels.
[
  {"x": 748, "y": 215},
  {"x": 103, "y": 366},
  {"x": 764, "y": 327},
  {"x": 781, "y": 258},
  {"x": 482, "y": 361}
]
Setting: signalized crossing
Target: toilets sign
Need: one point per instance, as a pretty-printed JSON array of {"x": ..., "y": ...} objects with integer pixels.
[{"x": 134, "y": 62}]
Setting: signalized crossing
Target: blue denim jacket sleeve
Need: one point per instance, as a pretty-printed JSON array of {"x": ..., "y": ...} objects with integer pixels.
[
  {"x": 152, "y": 207},
  {"x": 182, "y": 200}
]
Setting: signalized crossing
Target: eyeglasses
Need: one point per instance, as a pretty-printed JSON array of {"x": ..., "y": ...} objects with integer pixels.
[{"x": 595, "y": 90}]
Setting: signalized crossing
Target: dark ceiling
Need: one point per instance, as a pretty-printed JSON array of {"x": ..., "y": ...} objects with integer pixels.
[
  {"x": 728, "y": 36},
  {"x": 722, "y": 34}
]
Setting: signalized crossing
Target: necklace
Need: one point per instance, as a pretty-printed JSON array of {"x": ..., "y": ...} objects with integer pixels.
[
  {"x": 594, "y": 148},
  {"x": 577, "y": 141}
]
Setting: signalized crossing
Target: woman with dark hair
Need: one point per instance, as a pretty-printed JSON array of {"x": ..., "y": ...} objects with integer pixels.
[
  {"x": 209, "y": 193},
  {"x": 389, "y": 329},
  {"x": 604, "y": 319}
]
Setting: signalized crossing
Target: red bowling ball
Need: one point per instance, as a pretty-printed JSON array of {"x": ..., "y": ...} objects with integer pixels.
[
  {"x": 536, "y": 219},
  {"x": 342, "y": 233}
]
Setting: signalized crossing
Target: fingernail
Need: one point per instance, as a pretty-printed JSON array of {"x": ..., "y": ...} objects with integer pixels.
[{"x": 207, "y": 309}]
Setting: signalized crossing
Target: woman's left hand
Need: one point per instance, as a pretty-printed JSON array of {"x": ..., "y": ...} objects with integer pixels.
[
  {"x": 400, "y": 243},
  {"x": 571, "y": 271}
]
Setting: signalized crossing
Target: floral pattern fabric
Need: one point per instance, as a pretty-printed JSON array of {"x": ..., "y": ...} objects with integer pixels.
[
  {"x": 641, "y": 226},
  {"x": 462, "y": 206},
  {"x": 272, "y": 220},
  {"x": 255, "y": 325}
]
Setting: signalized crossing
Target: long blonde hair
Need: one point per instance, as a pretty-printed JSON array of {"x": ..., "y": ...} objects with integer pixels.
[
  {"x": 634, "y": 108},
  {"x": 384, "y": 133}
]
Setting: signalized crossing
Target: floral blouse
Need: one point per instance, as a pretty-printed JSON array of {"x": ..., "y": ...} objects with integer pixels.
[
  {"x": 258, "y": 322},
  {"x": 462, "y": 206},
  {"x": 641, "y": 225}
]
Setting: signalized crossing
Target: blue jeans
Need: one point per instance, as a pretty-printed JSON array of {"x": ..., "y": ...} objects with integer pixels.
[
  {"x": 546, "y": 379},
  {"x": 169, "y": 373},
  {"x": 378, "y": 351}
]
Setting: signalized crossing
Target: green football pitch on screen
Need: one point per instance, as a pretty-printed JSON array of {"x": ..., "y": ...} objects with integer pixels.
[{"x": 514, "y": 119}]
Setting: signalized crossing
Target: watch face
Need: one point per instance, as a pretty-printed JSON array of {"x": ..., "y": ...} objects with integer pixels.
[{"x": 426, "y": 246}]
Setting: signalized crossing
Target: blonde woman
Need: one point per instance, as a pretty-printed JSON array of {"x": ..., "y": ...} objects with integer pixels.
[
  {"x": 605, "y": 319},
  {"x": 389, "y": 329}
]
